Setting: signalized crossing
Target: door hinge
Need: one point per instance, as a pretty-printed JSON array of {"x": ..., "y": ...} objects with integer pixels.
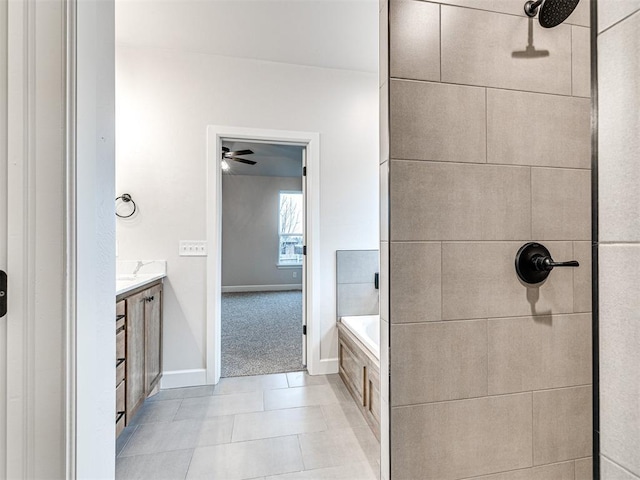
[
  {"x": 304, "y": 250},
  {"x": 304, "y": 171},
  {"x": 3, "y": 294},
  {"x": 304, "y": 329}
]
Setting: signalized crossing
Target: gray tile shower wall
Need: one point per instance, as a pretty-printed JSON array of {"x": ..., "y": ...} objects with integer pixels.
[
  {"x": 484, "y": 151},
  {"x": 355, "y": 282}
]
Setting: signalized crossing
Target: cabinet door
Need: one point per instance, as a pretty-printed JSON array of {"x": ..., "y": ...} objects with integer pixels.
[
  {"x": 153, "y": 326},
  {"x": 135, "y": 352}
]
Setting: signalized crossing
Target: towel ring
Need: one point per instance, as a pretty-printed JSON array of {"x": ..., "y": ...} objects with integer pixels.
[{"x": 126, "y": 198}]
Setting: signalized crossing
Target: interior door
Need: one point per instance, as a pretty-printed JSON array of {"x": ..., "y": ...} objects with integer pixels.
[{"x": 304, "y": 258}]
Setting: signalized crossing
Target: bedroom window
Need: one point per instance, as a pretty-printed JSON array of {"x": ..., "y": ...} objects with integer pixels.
[{"x": 291, "y": 229}]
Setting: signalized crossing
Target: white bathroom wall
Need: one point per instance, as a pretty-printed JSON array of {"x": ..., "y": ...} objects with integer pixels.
[{"x": 166, "y": 99}]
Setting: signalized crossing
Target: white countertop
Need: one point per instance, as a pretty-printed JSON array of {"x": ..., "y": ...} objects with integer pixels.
[
  {"x": 127, "y": 283},
  {"x": 132, "y": 274}
]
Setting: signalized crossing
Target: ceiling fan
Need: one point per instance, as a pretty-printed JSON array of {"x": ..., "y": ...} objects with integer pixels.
[{"x": 235, "y": 156}]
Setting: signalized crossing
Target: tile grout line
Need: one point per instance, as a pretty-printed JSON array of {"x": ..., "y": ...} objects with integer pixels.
[
  {"x": 135, "y": 429},
  {"x": 440, "y": 38},
  {"x": 514, "y": 165},
  {"x": 304, "y": 467},
  {"x": 571, "y": 63},
  {"x": 495, "y": 395},
  {"x": 233, "y": 428},
  {"x": 487, "y": 330},
  {"x": 531, "y": 201},
  {"x": 441, "y": 283},
  {"x": 186, "y": 474},
  {"x": 493, "y": 242},
  {"x": 173, "y": 419},
  {"x": 532, "y": 434},
  {"x": 489, "y": 318},
  {"x": 470, "y": 85},
  {"x": 486, "y": 126}
]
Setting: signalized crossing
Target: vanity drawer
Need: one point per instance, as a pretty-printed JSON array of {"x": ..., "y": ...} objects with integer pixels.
[
  {"x": 120, "y": 371},
  {"x": 120, "y": 408},
  {"x": 120, "y": 308},
  {"x": 120, "y": 424},
  {"x": 120, "y": 345}
]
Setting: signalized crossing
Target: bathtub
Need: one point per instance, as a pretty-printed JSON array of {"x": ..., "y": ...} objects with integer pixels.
[{"x": 367, "y": 329}]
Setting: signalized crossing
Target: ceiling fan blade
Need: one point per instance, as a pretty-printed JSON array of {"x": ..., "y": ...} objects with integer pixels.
[
  {"x": 241, "y": 152},
  {"x": 225, "y": 149},
  {"x": 243, "y": 160}
]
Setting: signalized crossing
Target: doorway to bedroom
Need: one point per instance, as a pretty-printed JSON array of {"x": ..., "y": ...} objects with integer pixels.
[{"x": 263, "y": 257}]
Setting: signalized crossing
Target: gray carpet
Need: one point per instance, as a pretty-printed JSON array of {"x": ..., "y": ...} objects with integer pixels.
[{"x": 261, "y": 333}]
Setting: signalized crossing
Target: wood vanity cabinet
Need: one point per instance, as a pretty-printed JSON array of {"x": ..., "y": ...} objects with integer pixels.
[{"x": 143, "y": 339}]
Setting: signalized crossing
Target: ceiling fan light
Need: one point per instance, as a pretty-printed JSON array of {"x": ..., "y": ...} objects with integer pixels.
[{"x": 224, "y": 165}]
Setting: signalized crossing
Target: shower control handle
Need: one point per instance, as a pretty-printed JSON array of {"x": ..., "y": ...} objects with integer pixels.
[
  {"x": 541, "y": 262},
  {"x": 534, "y": 263}
]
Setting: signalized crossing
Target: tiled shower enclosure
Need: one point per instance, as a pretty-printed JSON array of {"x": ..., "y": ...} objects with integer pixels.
[{"x": 485, "y": 149}]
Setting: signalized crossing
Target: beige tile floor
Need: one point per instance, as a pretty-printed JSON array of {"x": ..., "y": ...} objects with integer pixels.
[{"x": 276, "y": 427}]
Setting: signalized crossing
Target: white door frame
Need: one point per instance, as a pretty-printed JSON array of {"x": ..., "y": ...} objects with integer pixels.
[
  {"x": 56, "y": 412},
  {"x": 215, "y": 135},
  {"x": 36, "y": 405},
  {"x": 3, "y": 227}
]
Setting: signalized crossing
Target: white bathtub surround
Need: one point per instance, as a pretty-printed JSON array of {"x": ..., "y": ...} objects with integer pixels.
[
  {"x": 367, "y": 329},
  {"x": 131, "y": 274}
]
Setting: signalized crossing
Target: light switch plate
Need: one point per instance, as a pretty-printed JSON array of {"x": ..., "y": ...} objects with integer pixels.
[{"x": 193, "y": 248}]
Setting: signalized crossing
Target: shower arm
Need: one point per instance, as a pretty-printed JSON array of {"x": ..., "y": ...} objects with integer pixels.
[{"x": 531, "y": 7}]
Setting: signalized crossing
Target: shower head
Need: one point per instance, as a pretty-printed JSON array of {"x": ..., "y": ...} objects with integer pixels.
[{"x": 552, "y": 12}]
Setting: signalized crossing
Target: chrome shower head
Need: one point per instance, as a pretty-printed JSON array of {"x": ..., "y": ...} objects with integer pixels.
[{"x": 552, "y": 12}]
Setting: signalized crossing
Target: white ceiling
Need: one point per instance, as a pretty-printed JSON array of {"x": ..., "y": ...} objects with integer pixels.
[
  {"x": 272, "y": 160},
  {"x": 339, "y": 34}
]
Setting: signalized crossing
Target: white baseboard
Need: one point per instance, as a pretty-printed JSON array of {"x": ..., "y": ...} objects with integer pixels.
[
  {"x": 261, "y": 288},
  {"x": 183, "y": 378},
  {"x": 326, "y": 366}
]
